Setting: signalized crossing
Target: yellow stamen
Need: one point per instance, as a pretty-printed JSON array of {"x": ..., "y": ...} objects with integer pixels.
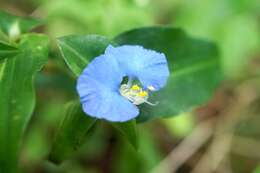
[
  {"x": 143, "y": 94},
  {"x": 135, "y": 87}
]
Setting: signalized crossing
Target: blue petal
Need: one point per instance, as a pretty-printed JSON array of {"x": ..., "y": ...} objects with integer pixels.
[
  {"x": 98, "y": 88},
  {"x": 148, "y": 66}
]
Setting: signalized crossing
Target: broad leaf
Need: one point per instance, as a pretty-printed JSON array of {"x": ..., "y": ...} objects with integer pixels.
[
  {"x": 11, "y": 24},
  {"x": 72, "y": 132},
  {"x": 128, "y": 130},
  {"x": 194, "y": 66},
  {"x": 78, "y": 51},
  {"x": 7, "y": 51},
  {"x": 17, "y": 96}
]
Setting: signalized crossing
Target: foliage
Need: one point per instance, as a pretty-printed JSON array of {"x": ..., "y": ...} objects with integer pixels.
[
  {"x": 17, "y": 95},
  {"x": 41, "y": 120}
]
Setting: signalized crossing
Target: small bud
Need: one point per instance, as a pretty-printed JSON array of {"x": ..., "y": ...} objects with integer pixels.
[{"x": 14, "y": 31}]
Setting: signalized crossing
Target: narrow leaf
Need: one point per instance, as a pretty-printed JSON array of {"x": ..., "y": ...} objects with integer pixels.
[
  {"x": 194, "y": 65},
  {"x": 7, "y": 51},
  {"x": 17, "y": 96},
  {"x": 72, "y": 132}
]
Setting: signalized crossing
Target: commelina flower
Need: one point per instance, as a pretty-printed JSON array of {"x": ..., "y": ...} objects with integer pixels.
[{"x": 104, "y": 95}]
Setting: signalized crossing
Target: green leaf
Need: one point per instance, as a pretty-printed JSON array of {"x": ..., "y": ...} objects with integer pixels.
[
  {"x": 13, "y": 25},
  {"x": 17, "y": 96},
  {"x": 72, "y": 132},
  {"x": 128, "y": 130},
  {"x": 7, "y": 51},
  {"x": 194, "y": 65},
  {"x": 78, "y": 51}
]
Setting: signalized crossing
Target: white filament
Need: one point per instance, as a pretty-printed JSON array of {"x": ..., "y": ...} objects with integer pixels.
[{"x": 133, "y": 95}]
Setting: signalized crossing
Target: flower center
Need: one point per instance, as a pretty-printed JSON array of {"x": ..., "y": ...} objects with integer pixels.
[{"x": 135, "y": 94}]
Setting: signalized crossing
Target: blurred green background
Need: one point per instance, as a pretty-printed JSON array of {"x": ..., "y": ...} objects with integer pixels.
[{"x": 233, "y": 24}]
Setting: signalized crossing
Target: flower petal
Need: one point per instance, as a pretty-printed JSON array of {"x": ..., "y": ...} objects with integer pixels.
[
  {"x": 98, "y": 88},
  {"x": 110, "y": 106},
  {"x": 148, "y": 66}
]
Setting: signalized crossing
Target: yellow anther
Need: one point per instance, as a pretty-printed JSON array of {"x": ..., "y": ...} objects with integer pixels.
[
  {"x": 143, "y": 94},
  {"x": 135, "y": 88}
]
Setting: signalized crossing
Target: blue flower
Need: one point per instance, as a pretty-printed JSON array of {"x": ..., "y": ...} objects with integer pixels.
[
  {"x": 100, "y": 87},
  {"x": 148, "y": 66}
]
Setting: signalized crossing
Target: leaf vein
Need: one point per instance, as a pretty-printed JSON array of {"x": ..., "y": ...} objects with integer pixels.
[
  {"x": 82, "y": 58},
  {"x": 194, "y": 68}
]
